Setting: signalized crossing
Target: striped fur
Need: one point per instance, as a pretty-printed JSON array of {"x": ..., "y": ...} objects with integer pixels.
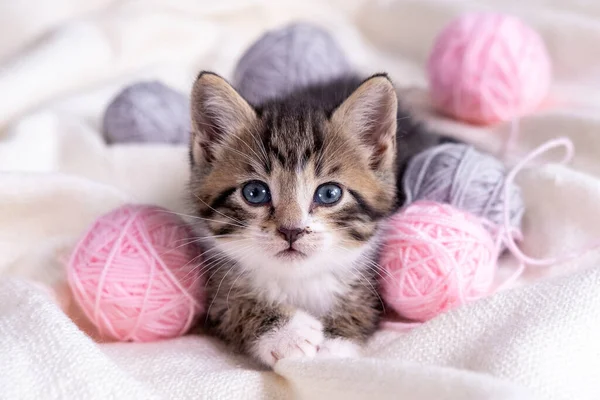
[{"x": 342, "y": 132}]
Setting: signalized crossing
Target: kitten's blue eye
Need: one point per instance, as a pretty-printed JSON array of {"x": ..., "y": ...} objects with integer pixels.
[
  {"x": 256, "y": 193},
  {"x": 328, "y": 194}
]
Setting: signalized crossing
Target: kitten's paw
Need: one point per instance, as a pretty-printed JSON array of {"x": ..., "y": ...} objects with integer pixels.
[
  {"x": 339, "y": 348},
  {"x": 300, "y": 337}
]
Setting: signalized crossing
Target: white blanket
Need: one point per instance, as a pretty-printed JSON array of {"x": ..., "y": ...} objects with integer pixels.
[{"x": 62, "y": 60}]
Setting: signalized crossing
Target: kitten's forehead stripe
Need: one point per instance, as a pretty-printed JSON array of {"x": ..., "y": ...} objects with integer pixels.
[
  {"x": 266, "y": 136},
  {"x": 296, "y": 137},
  {"x": 303, "y": 142},
  {"x": 305, "y": 157},
  {"x": 281, "y": 158},
  {"x": 334, "y": 169},
  {"x": 317, "y": 134},
  {"x": 250, "y": 169},
  {"x": 292, "y": 138}
]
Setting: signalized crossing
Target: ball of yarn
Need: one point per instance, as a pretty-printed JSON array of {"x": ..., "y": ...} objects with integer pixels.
[
  {"x": 470, "y": 180},
  {"x": 486, "y": 68},
  {"x": 435, "y": 258},
  {"x": 135, "y": 276},
  {"x": 286, "y": 59},
  {"x": 148, "y": 112}
]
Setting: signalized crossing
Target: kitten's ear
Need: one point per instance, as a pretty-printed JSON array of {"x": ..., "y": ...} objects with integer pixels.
[
  {"x": 218, "y": 112},
  {"x": 370, "y": 114}
]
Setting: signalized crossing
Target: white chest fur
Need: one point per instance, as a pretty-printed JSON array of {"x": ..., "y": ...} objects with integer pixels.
[{"x": 315, "y": 294}]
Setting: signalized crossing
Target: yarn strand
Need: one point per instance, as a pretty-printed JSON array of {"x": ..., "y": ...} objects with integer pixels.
[
  {"x": 510, "y": 240},
  {"x": 505, "y": 235},
  {"x": 129, "y": 280}
]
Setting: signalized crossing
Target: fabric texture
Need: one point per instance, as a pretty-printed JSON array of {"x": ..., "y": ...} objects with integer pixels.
[{"x": 62, "y": 61}]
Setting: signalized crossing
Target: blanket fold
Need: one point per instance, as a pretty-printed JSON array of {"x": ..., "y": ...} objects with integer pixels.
[{"x": 62, "y": 61}]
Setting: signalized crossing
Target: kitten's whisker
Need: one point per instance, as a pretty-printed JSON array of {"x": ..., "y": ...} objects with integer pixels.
[
  {"x": 261, "y": 145},
  {"x": 375, "y": 291},
  {"x": 380, "y": 276},
  {"x": 223, "y": 222},
  {"x": 200, "y": 264},
  {"x": 214, "y": 263},
  {"x": 218, "y": 212},
  {"x": 217, "y": 293},
  {"x": 216, "y": 268},
  {"x": 200, "y": 238},
  {"x": 340, "y": 229},
  {"x": 377, "y": 268},
  {"x": 219, "y": 254},
  {"x": 226, "y": 256},
  {"x": 233, "y": 284},
  {"x": 213, "y": 267},
  {"x": 234, "y": 251},
  {"x": 196, "y": 240},
  {"x": 223, "y": 144},
  {"x": 243, "y": 226},
  {"x": 252, "y": 161},
  {"x": 251, "y": 149},
  {"x": 203, "y": 264},
  {"x": 196, "y": 257},
  {"x": 205, "y": 219},
  {"x": 333, "y": 154},
  {"x": 234, "y": 264},
  {"x": 364, "y": 278}
]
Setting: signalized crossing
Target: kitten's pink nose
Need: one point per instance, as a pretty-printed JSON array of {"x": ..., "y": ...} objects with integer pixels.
[{"x": 291, "y": 234}]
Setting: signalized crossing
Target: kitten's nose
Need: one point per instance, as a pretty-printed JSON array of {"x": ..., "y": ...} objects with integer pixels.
[{"x": 291, "y": 234}]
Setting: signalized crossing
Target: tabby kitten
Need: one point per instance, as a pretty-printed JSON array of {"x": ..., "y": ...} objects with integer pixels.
[{"x": 291, "y": 195}]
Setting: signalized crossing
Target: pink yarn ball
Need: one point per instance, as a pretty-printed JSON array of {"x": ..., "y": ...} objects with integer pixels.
[
  {"x": 487, "y": 68},
  {"x": 437, "y": 258},
  {"x": 135, "y": 275}
]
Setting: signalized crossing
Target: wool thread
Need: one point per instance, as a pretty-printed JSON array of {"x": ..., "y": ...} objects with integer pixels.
[
  {"x": 511, "y": 242},
  {"x": 488, "y": 67},
  {"x": 288, "y": 58},
  {"x": 433, "y": 256},
  {"x": 436, "y": 258},
  {"x": 470, "y": 180},
  {"x": 506, "y": 235},
  {"x": 148, "y": 112},
  {"x": 132, "y": 281}
]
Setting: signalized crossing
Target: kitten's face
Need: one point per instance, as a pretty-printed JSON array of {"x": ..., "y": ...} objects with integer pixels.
[{"x": 291, "y": 189}]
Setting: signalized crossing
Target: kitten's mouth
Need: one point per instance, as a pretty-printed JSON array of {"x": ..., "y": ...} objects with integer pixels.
[{"x": 291, "y": 254}]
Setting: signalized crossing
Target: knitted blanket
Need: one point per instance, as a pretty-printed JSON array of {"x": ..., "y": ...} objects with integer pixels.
[{"x": 61, "y": 61}]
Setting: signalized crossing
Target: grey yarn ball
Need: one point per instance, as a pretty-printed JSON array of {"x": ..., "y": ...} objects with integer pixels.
[
  {"x": 470, "y": 180},
  {"x": 286, "y": 59},
  {"x": 148, "y": 112}
]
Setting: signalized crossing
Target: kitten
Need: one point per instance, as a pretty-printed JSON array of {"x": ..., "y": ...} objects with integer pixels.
[{"x": 290, "y": 196}]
